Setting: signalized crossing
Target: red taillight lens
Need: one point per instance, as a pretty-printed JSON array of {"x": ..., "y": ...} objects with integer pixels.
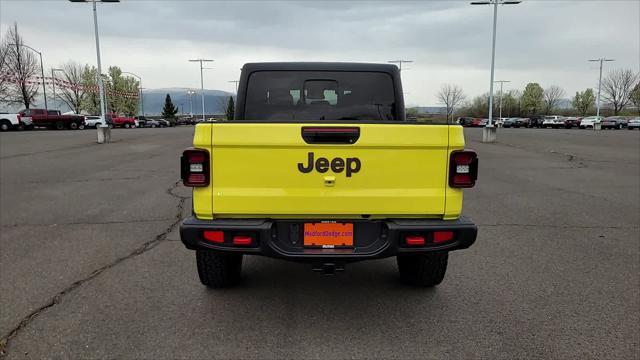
[
  {"x": 415, "y": 240},
  {"x": 242, "y": 240},
  {"x": 442, "y": 236},
  {"x": 463, "y": 169},
  {"x": 214, "y": 236},
  {"x": 194, "y": 167}
]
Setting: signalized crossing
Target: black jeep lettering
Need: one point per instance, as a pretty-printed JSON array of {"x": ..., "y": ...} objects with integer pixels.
[
  {"x": 353, "y": 166},
  {"x": 309, "y": 165},
  {"x": 322, "y": 165},
  {"x": 337, "y": 165}
]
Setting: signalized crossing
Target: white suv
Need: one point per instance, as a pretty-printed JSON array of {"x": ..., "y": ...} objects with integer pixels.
[
  {"x": 553, "y": 121},
  {"x": 590, "y": 121}
]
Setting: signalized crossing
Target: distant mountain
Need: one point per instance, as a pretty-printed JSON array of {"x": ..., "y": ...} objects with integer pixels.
[{"x": 215, "y": 101}]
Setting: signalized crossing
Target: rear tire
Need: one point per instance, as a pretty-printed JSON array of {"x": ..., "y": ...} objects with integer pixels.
[
  {"x": 81, "y": 126},
  {"x": 218, "y": 270},
  {"x": 74, "y": 126},
  {"x": 59, "y": 125},
  {"x": 423, "y": 270},
  {"x": 5, "y": 125}
]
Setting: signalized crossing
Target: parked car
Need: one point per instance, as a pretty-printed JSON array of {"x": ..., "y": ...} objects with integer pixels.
[
  {"x": 152, "y": 123},
  {"x": 141, "y": 121},
  {"x": 14, "y": 122},
  {"x": 164, "y": 123},
  {"x": 94, "y": 121},
  {"x": 590, "y": 122},
  {"x": 570, "y": 122},
  {"x": 52, "y": 119},
  {"x": 123, "y": 121},
  {"x": 634, "y": 123},
  {"x": 614, "y": 122},
  {"x": 553, "y": 121},
  {"x": 522, "y": 122},
  {"x": 499, "y": 121},
  {"x": 536, "y": 121},
  {"x": 470, "y": 121},
  {"x": 509, "y": 122}
]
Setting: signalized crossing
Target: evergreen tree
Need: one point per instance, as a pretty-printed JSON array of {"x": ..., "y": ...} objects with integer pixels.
[
  {"x": 169, "y": 111},
  {"x": 231, "y": 108}
]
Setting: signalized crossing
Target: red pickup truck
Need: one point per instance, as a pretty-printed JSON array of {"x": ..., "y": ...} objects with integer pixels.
[
  {"x": 123, "y": 121},
  {"x": 53, "y": 119}
]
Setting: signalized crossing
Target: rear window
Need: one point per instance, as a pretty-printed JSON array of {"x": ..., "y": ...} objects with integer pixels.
[{"x": 320, "y": 95}]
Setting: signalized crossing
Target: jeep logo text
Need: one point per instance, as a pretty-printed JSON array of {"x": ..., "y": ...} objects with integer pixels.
[{"x": 337, "y": 165}]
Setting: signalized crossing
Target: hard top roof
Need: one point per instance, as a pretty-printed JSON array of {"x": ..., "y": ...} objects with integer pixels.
[{"x": 319, "y": 66}]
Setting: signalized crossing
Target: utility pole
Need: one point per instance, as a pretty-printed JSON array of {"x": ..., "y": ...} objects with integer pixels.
[
  {"x": 201, "y": 81},
  {"x": 601, "y": 60},
  {"x": 501, "y": 83},
  {"x": 489, "y": 131}
]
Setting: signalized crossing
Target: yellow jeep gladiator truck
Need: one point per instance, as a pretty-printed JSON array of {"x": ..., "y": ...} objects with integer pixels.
[{"x": 321, "y": 166}]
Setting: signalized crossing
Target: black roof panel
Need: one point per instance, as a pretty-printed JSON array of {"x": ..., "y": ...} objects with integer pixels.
[{"x": 319, "y": 66}]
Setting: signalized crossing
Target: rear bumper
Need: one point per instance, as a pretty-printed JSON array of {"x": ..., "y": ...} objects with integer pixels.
[{"x": 373, "y": 239}]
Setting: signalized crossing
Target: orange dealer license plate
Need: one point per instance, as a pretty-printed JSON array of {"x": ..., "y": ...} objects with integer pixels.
[{"x": 328, "y": 235}]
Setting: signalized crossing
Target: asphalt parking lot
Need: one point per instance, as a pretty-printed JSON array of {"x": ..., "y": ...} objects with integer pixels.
[{"x": 91, "y": 265}]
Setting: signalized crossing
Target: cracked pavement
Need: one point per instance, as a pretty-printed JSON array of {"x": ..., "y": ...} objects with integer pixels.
[{"x": 91, "y": 265}]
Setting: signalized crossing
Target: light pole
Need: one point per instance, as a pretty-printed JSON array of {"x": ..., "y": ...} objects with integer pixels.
[
  {"x": 104, "y": 133},
  {"x": 400, "y": 62},
  {"x": 190, "y": 93},
  {"x": 501, "y": 83},
  {"x": 489, "y": 131},
  {"x": 53, "y": 82},
  {"x": 201, "y": 81},
  {"x": 140, "y": 90},
  {"x": 601, "y": 60},
  {"x": 235, "y": 81},
  {"x": 44, "y": 89}
]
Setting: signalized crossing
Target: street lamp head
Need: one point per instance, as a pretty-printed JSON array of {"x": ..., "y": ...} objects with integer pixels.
[{"x": 480, "y": 2}]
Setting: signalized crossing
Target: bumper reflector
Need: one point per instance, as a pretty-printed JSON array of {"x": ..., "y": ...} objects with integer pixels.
[
  {"x": 214, "y": 236},
  {"x": 415, "y": 240},
  {"x": 242, "y": 240},
  {"x": 442, "y": 236}
]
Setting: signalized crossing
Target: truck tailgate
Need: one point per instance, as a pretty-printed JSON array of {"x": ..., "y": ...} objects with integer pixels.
[{"x": 256, "y": 170}]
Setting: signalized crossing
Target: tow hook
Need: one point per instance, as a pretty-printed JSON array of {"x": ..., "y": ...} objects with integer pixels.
[{"x": 328, "y": 268}]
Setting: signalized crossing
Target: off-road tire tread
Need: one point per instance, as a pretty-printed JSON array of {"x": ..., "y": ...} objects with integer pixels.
[
  {"x": 423, "y": 270},
  {"x": 217, "y": 270}
]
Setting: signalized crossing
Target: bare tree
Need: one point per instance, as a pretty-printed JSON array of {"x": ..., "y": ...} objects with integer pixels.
[
  {"x": 451, "y": 96},
  {"x": 617, "y": 87},
  {"x": 69, "y": 86},
  {"x": 635, "y": 96},
  {"x": 4, "y": 72},
  {"x": 552, "y": 96},
  {"x": 23, "y": 67}
]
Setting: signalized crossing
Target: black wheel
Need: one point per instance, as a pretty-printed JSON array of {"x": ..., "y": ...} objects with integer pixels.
[
  {"x": 620, "y": 126},
  {"x": 153, "y": 125},
  {"x": 5, "y": 125},
  {"x": 59, "y": 125},
  {"x": 126, "y": 125},
  {"x": 423, "y": 270},
  {"x": 81, "y": 126},
  {"x": 74, "y": 126},
  {"x": 218, "y": 270}
]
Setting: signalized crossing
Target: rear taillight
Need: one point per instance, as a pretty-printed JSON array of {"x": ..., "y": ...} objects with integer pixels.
[
  {"x": 194, "y": 167},
  {"x": 463, "y": 169}
]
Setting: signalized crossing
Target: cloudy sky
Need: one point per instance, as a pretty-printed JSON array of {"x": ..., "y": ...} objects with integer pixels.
[{"x": 544, "y": 41}]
